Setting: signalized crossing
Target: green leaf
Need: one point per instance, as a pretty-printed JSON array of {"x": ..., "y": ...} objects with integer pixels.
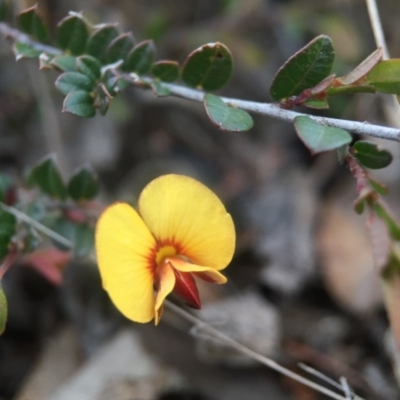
[
  {"x": 8, "y": 225},
  {"x": 378, "y": 187},
  {"x": 72, "y": 81},
  {"x": 371, "y": 155},
  {"x": 305, "y": 69},
  {"x": 119, "y": 48},
  {"x": 3, "y": 310},
  {"x": 32, "y": 22},
  {"x": 209, "y": 67},
  {"x": 81, "y": 235},
  {"x": 4, "y": 9},
  {"x": 89, "y": 66},
  {"x": 226, "y": 117},
  {"x": 167, "y": 71},
  {"x": 319, "y": 138},
  {"x": 385, "y": 76},
  {"x": 72, "y": 34},
  {"x": 390, "y": 222},
  {"x": 83, "y": 184},
  {"x": 79, "y": 103},
  {"x": 141, "y": 58},
  {"x": 24, "y": 50},
  {"x": 99, "y": 41},
  {"x": 65, "y": 63},
  {"x": 47, "y": 177},
  {"x": 110, "y": 81}
]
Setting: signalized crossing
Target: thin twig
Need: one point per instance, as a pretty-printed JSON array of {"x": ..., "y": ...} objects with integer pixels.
[
  {"x": 391, "y": 104},
  {"x": 15, "y": 35},
  {"x": 377, "y": 27},
  {"x": 268, "y": 109},
  {"x": 274, "y": 111},
  {"x": 37, "y": 225},
  {"x": 252, "y": 354}
]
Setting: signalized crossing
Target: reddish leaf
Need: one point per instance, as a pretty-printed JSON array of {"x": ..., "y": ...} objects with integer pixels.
[{"x": 49, "y": 262}]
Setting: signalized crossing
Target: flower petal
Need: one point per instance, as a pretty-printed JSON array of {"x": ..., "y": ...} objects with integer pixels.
[
  {"x": 206, "y": 273},
  {"x": 123, "y": 246},
  {"x": 181, "y": 211},
  {"x": 164, "y": 284}
]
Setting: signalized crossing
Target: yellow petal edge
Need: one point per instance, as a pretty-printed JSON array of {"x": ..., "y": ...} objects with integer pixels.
[{"x": 123, "y": 245}]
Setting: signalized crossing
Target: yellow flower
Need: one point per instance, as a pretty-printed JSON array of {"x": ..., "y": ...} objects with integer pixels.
[{"x": 182, "y": 229}]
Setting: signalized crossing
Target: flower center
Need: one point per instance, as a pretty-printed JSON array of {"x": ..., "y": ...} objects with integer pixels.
[{"x": 163, "y": 252}]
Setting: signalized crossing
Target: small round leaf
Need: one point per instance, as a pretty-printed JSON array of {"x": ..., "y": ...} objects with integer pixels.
[
  {"x": 371, "y": 155},
  {"x": 72, "y": 34},
  {"x": 83, "y": 184},
  {"x": 99, "y": 41},
  {"x": 319, "y": 138},
  {"x": 32, "y": 22},
  {"x": 209, "y": 67},
  {"x": 166, "y": 71},
  {"x": 89, "y": 66},
  {"x": 47, "y": 177},
  {"x": 305, "y": 69},
  {"x": 119, "y": 48},
  {"x": 141, "y": 58},
  {"x": 225, "y": 117},
  {"x": 80, "y": 103},
  {"x": 72, "y": 81}
]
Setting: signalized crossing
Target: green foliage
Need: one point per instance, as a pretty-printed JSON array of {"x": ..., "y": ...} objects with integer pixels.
[
  {"x": 89, "y": 66},
  {"x": 167, "y": 71},
  {"x": 371, "y": 155},
  {"x": 80, "y": 103},
  {"x": 305, "y": 69},
  {"x": 64, "y": 63},
  {"x": 3, "y": 310},
  {"x": 25, "y": 50},
  {"x": 83, "y": 184},
  {"x": 46, "y": 176},
  {"x": 385, "y": 76},
  {"x": 226, "y": 117},
  {"x": 72, "y": 81},
  {"x": 99, "y": 41},
  {"x": 32, "y": 23},
  {"x": 72, "y": 34},
  {"x": 119, "y": 48},
  {"x": 209, "y": 67},
  {"x": 141, "y": 58},
  {"x": 319, "y": 138}
]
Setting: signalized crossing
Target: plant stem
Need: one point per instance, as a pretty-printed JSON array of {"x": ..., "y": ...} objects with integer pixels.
[
  {"x": 274, "y": 111},
  {"x": 250, "y": 353},
  {"x": 268, "y": 109},
  {"x": 37, "y": 225}
]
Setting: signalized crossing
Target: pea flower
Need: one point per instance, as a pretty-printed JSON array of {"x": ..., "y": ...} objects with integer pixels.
[{"x": 181, "y": 231}]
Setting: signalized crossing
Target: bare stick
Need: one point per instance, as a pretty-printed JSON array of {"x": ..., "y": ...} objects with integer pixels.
[
  {"x": 252, "y": 354},
  {"x": 268, "y": 109},
  {"x": 274, "y": 111},
  {"x": 377, "y": 27}
]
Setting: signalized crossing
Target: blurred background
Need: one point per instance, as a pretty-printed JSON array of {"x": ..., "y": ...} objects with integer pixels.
[{"x": 302, "y": 286}]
